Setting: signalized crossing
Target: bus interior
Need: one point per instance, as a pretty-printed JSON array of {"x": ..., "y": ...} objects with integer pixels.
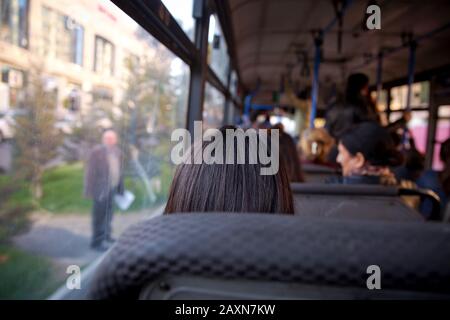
[{"x": 250, "y": 64}]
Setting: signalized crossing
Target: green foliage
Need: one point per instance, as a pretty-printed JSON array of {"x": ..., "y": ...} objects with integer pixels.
[
  {"x": 25, "y": 276},
  {"x": 63, "y": 190},
  {"x": 35, "y": 133},
  {"x": 63, "y": 193},
  {"x": 147, "y": 106},
  {"x": 13, "y": 211}
]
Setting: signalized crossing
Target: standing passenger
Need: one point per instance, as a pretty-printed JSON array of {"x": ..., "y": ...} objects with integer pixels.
[
  {"x": 103, "y": 179},
  {"x": 439, "y": 182}
]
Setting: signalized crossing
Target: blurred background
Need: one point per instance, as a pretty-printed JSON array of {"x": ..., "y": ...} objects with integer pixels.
[{"x": 70, "y": 70}]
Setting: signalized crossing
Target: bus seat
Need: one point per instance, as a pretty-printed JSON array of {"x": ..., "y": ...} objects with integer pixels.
[
  {"x": 272, "y": 256},
  {"x": 316, "y": 173},
  {"x": 369, "y": 202}
]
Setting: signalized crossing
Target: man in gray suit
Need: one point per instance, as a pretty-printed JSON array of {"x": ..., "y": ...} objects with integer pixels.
[{"x": 103, "y": 179}]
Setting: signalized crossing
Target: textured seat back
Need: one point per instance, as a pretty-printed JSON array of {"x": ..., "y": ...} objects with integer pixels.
[
  {"x": 276, "y": 248},
  {"x": 315, "y": 173},
  {"x": 368, "y": 202}
]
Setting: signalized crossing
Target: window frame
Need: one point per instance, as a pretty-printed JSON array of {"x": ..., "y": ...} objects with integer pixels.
[
  {"x": 156, "y": 19},
  {"x": 74, "y": 44},
  {"x": 113, "y": 54},
  {"x": 23, "y": 24}
]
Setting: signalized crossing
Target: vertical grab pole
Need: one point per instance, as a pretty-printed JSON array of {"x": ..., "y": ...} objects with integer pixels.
[
  {"x": 199, "y": 67},
  {"x": 411, "y": 70},
  {"x": 318, "y": 40},
  {"x": 379, "y": 77}
]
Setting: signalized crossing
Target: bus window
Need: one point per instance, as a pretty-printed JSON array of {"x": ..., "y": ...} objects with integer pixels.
[
  {"x": 419, "y": 98},
  {"x": 213, "y": 107},
  {"x": 442, "y": 133},
  {"x": 182, "y": 12},
  {"x": 87, "y": 70},
  {"x": 217, "y": 49}
]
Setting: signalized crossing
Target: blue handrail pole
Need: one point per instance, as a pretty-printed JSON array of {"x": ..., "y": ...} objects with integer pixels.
[
  {"x": 315, "y": 85},
  {"x": 411, "y": 70},
  {"x": 262, "y": 107},
  {"x": 417, "y": 40},
  {"x": 248, "y": 99},
  {"x": 247, "y": 104}
]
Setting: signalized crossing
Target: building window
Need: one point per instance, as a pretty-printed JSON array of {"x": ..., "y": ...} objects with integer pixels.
[
  {"x": 14, "y": 79},
  {"x": 14, "y": 22},
  {"x": 100, "y": 94},
  {"x": 104, "y": 56},
  {"x": 62, "y": 36}
]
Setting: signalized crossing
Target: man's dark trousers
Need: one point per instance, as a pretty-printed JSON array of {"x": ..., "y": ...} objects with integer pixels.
[{"x": 102, "y": 212}]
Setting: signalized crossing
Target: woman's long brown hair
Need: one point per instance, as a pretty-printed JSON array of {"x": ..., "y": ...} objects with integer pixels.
[
  {"x": 289, "y": 155},
  {"x": 229, "y": 187}
]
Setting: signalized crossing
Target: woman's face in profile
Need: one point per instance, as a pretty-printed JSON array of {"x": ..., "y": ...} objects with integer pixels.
[{"x": 349, "y": 163}]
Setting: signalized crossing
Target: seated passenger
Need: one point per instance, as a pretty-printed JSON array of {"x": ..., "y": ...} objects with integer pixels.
[
  {"x": 439, "y": 182},
  {"x": 365, "y": 153},
  {"x": 230, "y": 187},
  {"x": 414, "y": 164},
  {"x": 315, "y": 145}
]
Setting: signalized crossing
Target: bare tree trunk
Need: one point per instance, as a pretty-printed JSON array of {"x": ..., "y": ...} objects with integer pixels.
[{"x": 36, "y": 185}]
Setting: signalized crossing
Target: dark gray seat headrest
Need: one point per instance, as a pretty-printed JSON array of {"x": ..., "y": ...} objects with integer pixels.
[
  {"x": 343, "y": 189},
  {"x": 269, "y": 247}
]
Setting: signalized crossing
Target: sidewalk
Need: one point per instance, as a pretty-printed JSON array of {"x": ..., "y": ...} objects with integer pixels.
[{"x": 65, "y": 239}]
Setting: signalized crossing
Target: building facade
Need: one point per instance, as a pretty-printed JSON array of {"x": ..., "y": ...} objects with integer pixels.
[{"x": 83, "y": 49}]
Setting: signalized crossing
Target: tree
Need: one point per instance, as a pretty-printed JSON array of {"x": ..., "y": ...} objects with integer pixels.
[
  {"x": 149, "y": 112},
  {"x": 35, "y": 133},
  {"x": 13, "y": 216}
]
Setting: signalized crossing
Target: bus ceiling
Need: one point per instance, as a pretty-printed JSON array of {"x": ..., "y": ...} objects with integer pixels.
[
  {"x": 272, "y": 40},
  {"x": 271, "y": 34}
]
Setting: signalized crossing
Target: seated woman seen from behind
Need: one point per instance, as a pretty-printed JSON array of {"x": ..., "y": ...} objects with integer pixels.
[
  {"x": 202, "y": 186},
  {"x": 365, "y": 153},
  {"x": 289, "y": 156}
]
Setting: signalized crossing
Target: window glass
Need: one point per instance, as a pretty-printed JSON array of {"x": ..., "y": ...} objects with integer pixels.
[
  {"x": 12, "y": 84},
  {"x": 442, "y": 134},
  {"x": 213, "y": 107},
  {"x": 444, "y": 112},
  {"x": 104, "y": 56},
  {"x": 131, "y": 64},
  {"x": 217, "y": 50},
  {"x": 14, "y": 22},
  {"x": 182, "y": 12},
  {"x": 419, "y": 96},
  {"x": 52, "y": 119},
  {"x": 418, "y": 127},
  {"x": 381, "y": 103},
  {"x": 234, "y": 84},
  {"x": 62, "y": 36}
]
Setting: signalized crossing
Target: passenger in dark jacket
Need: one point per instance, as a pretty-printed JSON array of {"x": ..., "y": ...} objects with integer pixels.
[
  {"x": 437, "y": 181},
  {"x": 103, "y": 179},
  {"x": 365, "y": 153}
]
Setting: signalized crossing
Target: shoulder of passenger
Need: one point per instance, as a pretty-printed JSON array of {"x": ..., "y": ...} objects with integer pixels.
[{"x": 427, "y": 177}]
